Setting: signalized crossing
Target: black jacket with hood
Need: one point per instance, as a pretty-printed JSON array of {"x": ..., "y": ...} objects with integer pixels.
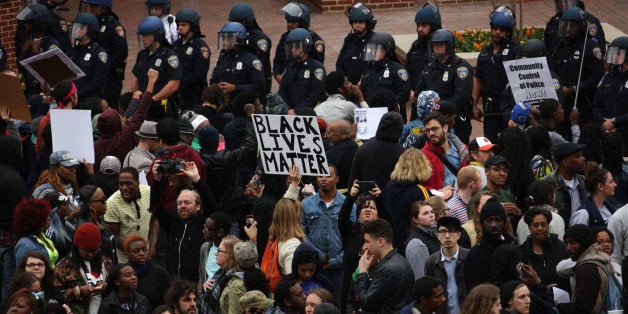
[
  {"x": 305, "y": 250},
  {"x": 12, "y": 184},
  {"x": 111, "y": 304}
]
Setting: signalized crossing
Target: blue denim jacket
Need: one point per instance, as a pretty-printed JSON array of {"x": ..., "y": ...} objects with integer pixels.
[{"x": 320, "y": 224}]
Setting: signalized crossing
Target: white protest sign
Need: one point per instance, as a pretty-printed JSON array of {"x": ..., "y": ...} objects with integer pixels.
[
  {"x": 530, "y": 79},
  {"x": 367, "y": 120},
  {"x": 72, "y": 131},
  {"x": 290, "y": 140}
]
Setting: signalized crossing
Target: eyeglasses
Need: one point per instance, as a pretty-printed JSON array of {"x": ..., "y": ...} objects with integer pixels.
[
  {"x": 135, "y": 251},
  {"x": 504, "y": 170},
  {"x": 102, "y": 201},
  {"x": 35, "y": 265},
  {"x": 222, "y": 251},
  {"x": 433, "y": 129},
  {"x": 446, "y": 232}
]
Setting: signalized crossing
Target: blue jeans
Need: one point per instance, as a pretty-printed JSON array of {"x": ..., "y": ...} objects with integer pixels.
[{"x": 7, "y": 262}]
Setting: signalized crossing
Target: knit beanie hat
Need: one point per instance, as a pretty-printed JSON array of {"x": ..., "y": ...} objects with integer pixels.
[
  {"x": 87, "y": 237},
  {"x": 492, "y": 208},
  {"x": 507, "y": 290},
  {"x": 245, "y": 254},
  {"x": 208, "y": 137},
  {"x": 581, "y": 234}
]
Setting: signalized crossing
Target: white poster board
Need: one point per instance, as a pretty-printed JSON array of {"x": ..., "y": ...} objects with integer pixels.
[
  {"x": 530, "y": 79},
  {"x": 72, "y": 131},
  {"x": 286, "y": 140},
  {"x": 367, "y": 120}
]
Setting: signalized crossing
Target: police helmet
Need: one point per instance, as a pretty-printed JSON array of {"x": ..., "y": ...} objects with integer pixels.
[
  {"x": 188, "y": 15},
  {"x": 563, "y": 5},
  {"x": 532, "y": 48},
  {"x": 152, "y": 25},
  {"x": 242, "y": 13},
  {"x": 231, "y": 34},
  {"x": 85, "y": 20},
  {"x": 298, "y": 38},
  {"x": 294, "y": 11},
  {"x": 106, "y": 3},
  {"x": 504, "y": 17},
  {"x": 428, "y": 14},
  {"x": 443, "y": 36},
  {"x": 360, "y": 12},
  {"x": 572, "y": 23},
  {"x": 37, "y": 13},
  {"x": 617, "y": 52},
  {"x": 165, "y": 4},
  {"x": 379, "y": 47}
]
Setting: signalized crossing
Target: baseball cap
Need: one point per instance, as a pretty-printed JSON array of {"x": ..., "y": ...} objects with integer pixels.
[
  {"x": 148, "y": 130},
  {"x": 255, "y": 299},
  {"x": 520, "y": 113},
  {"x": 185, "y": 126},
  {"x": 496, "y": 160},
  {"x": 110, "y": 165},
  {"x": 481, "y": 143},
  {"x": 63, "y": 157},
  {"x": 196, "y": 122}
]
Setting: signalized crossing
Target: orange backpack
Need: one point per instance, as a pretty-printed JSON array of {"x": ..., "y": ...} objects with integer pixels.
[{"x": 270, "y": 264}]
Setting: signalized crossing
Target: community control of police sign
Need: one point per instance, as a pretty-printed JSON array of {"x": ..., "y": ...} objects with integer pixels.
[
  {"x": 290, "y": 140},
  {"x": 530, "y": 79}
]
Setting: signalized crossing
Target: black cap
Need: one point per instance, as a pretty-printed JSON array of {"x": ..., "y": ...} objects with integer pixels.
[
  {"x": 496, "y": 160},
  {"x": 581, "y": 234},
  {"x": 492, "y": 208},
  {"x": 563, "y": 150},
  {"x": 185, "y": 126}
]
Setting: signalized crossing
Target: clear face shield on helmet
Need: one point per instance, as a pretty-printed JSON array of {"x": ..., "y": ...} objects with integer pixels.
[
  {"x": 79, "y": 31},
  {"x": 145, "y": 40},
  {"x": 227, "y": 41},
  {"x": 292, "y": 9},
  {"x": 563, "y": 5},
  {"x": 295, "y": 49},
  {"x": 439, "y": 49},
  {"x": 374, "y": 52},
  {"x": 155, "y": 9},
  {"x": 616, "y": 56},
  {"x": 570, "y": 28}
]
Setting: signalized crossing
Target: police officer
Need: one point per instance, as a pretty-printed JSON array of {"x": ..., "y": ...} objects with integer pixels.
[
  {"x": 297, "y": 15},
  {"x": 611, "y": 98},
  {"x": 384, "y": 71},
  {"x": 3, "y": 58},
  {"x": 351, "y": 56},
  {"x": 32, "y": 39},
  {"x": 237, "y": 68},
  {"x": 302, "y": 85},
  {"x": 194, "y": 56},
  {"x": 161, "y": 9},
  {"x": 533, "y": 48},
  {"x": 568, "y": 58},
  {"x": 552, "y": 36},
  {"x": 89, "y": 56},
  {"x": 449, "y": 76},
  {"x": 112, "y": 37},
  {"x": 490, "y": 77},
  {"x": 156, "y": 55},
  {"x": 59, "y": 26},
  {"x": 258, "y": 42}
]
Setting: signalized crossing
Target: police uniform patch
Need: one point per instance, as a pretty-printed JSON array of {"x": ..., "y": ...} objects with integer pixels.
[
  {"x": 626, "y": 86},
  {"x": 119, "y": 30},
  {"x": 87, "y": 57},
  {"x": 262, "y": 44},
  {"x": 306, "y": 74},
  {"x": 319, "y": 73},
  {"x": 63, "y": 25},
  {"x": 189, "y": 51},
  {"x": 403, "y": 74},
  {"x": 319, "y": 45},
  {"x": 463, "y": 72},
  {"x": 1, "y": 53},
  {"x": 592, "y": 29},
  {"x": 597, "y": 52},
  {"x": 555, "y": 83},
  {"x": 205, "y": 52},
  {"x": 103, "y": 28},
  {"x": 257, "y": 64},
  {"x": 103, "y": 56},
  {"x": 173, "y": 61}
]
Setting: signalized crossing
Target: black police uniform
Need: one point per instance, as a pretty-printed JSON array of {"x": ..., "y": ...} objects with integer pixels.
[
  {"x": 386, "y": 75},
  {"x": 112, "y": 37},
  {"x": 59, "y": 30},
  {"x": 351, "y": 56},
  {"x": 194, "y": 58},
  {"x": 566, "y": 63},
  {"x": 303, "y": 84},
  {"x": 452, "y": 81},
  {"x": 241, "y": 68},
  {"x": 595, "y": 32},
  {"x": 93, "y": 60},
  {"x": 32, "y": 85},
  {"x": 611, "y": 100},
  {"x": 166, "y": 61},
  {"x": 490, "y": 70},
  {"x": 3, "y": 58},
  {"x": 261, "y": 45},
  {"x": 280, "y": 62},
  {"x": 416, "y": 59}
]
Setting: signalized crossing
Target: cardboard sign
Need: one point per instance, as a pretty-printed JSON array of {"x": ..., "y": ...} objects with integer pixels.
[
  {"x": 12, "y": 97},
  {"x": 72, "y": 131},
  {"x": 52, "y": 67},
  {"x": 284, "y": 141},
  {"x": 367, "y": 120},
  {"x": 530, "y": 79}
]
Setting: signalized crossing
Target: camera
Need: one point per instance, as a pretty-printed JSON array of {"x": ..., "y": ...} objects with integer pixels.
[
  {"x": 171, "y": 166},
  {"x": 66, "y": 199}
]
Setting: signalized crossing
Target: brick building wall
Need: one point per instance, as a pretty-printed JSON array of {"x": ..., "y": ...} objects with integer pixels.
[
  {"x": 8, "y": 26},
  {"x": 329, "y": 6}
]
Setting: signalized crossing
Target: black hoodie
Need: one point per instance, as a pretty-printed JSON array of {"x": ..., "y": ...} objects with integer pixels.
[
  {"x": 12, "y": 184},
  {"x": 305, "y": 250}
]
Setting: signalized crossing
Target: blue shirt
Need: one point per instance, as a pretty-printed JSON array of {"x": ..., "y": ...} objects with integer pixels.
[
  {"x": 210, "y": 264},
  {"x": 320, "y": 223},
  {"x": 452, "y": 289},
  {"x": 454, "y": 158}
]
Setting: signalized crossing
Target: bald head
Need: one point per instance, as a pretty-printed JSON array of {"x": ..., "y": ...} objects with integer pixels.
[{"x": 339, "y": 130}]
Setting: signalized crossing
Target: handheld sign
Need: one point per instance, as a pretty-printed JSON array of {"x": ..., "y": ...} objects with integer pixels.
[
  {"x": 367, "y": 120},
  {"x": 52, "y": 67},
  {"x": 64, "y": 125},
  {"x": 287, "y": 140},
  {"x": 12, "y": 97},
  {"x": 530, "y": 79}
]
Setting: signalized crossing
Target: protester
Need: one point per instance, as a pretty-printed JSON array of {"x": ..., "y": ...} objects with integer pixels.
[
  {"x": 315, "y": 298},
  {"x": 30, "y": 220},
  {"x": 123, "y": 298},
  {"x": 542, "y": 195},
  {"x": 246, "y": 278},
  {"x": 473, "y": 227},
  {"x": 483, "y": 298},
  {"x": 289, "y": 298},
  {"x": 429, "y": 296},
  {"x": 212, "y": 289},
  {"x": 596, "y": 211},
  {"x": 307, "y": 270},
  {"x": 152, "y": 279},
  {"x": 422, "y": 241},
  {"x": 215, "y": 229},
  {"x": 95, "y": 206},
  {"x": 36, "y": 263}
]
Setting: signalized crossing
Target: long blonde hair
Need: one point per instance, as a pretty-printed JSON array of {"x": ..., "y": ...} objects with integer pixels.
[
  {"x": 286, "y": 221},
  {"x": 229, "y": 242},
  {"x": 412, "y": 166}
]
